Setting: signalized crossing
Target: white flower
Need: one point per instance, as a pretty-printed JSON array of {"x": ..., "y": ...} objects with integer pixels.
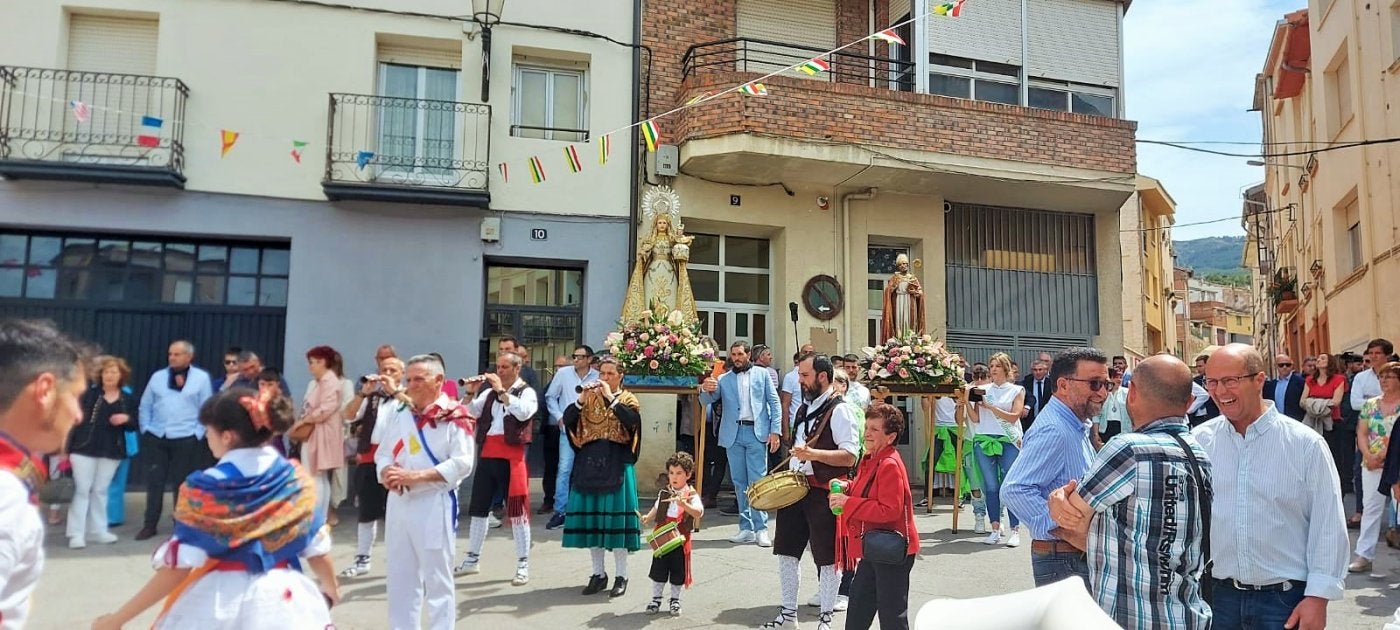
[
  {"x": 675, "y": 318},
  {"x": 883, "y": 373}
]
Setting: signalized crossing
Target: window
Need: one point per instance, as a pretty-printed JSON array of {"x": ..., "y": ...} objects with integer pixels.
[
  {"x": 1338, "y": 86},
  {"x": 1395, "y": 30},
  {"x": 116, "y": 269},
  {"x": 416, "y": 123},
  {"x": 1063, "y": 96},
  {"x": 1349, "y": 256},
  {"x": 959, "y": 77},
  {"x": 731, "y": 277},
  {"x": 549, "y": 103},
  {"x": 879, "y": 268},
  {"x": 542, "y": 307}
]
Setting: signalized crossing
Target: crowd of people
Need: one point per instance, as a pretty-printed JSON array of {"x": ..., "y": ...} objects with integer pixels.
[{"x": 1161, "y": 490}]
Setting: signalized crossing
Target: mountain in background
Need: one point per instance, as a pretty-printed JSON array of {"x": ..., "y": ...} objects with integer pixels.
[{"x": 1215, "y": 258}]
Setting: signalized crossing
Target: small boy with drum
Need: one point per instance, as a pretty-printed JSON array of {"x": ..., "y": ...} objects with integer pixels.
[{"x": 670, "y": 541}]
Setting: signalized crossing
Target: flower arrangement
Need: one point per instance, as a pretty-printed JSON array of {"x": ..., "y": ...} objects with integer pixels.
[
  {"x": 912, "y": 359},
  {"x": 660, "y": 345},
  {"x": 1283, "y": 286}
]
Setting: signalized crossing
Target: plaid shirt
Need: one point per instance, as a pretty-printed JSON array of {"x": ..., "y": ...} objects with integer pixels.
[{"x": 1145, "y": 537}]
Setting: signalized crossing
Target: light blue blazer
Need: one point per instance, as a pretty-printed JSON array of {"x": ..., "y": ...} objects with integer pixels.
[{"x": 767, "y": 411}]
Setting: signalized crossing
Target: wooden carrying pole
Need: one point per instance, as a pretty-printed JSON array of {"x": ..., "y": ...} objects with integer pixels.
[{"x": 932, "y": 432}]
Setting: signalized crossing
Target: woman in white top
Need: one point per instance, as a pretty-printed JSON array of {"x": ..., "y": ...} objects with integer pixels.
[{"x": 998, "y": 441}]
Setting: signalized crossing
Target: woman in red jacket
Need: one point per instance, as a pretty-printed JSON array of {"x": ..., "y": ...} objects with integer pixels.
[{"x": 878, "y": 499}]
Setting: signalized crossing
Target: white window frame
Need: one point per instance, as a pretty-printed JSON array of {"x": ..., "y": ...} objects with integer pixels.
[
  {"x": 975, "y": 75},
  {"x": 419, "y": 132},
  {"x": 874, "y": 311},
  {"x": 735, "y": 309},
  {"x": 1069, "y": 89},
  {"x": 580, "y": 71}
]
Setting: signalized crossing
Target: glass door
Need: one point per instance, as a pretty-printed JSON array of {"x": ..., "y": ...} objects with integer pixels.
[{"x": 540, "y": 307}]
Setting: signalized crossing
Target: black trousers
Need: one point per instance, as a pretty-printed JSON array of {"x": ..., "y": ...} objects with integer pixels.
[
  {"x": 716, "y": 466},
  {"x": 550, "y": 435},
  {"x": 491, "y": 478},
  {"x": 880, "y": 589},
  {"x": 168, "y": 460},
  {"x": 1342, "y": 442}
]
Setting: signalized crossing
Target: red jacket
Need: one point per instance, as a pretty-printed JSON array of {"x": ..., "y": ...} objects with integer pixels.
[{"x": 887, "y": 504}]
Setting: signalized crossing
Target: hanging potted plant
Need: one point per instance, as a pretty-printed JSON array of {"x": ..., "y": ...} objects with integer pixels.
[{"x": 1283, "y": 287}]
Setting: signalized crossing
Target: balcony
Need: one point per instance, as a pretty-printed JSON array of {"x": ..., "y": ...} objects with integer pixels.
[
  {"x": 863, "y": 113},
  {"x": 407, "y": 150},
  {"x": 92, "y": 126}
]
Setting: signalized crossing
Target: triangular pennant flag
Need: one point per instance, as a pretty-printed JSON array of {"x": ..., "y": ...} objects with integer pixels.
[
  {"x": 815, "y": 66},
  {"x": 697, "y": 98},
  {"x": 362, "y": 159},
  {"x": 753, "y": 89},
  {"x": 951, "y": 9},
  {"x": 889, "y": 36},
  {"x": 604, "y": 149},
  {"x": 536, "y": 169},
  {"x": 571, "y": 156},
  {"x": 505, "y": 172},
  {"x": 81, "y": 111},
  {"x": 227, "y": 138},
  {"x": 650, "y": 133},
  {"x": 297, "y": 147}
]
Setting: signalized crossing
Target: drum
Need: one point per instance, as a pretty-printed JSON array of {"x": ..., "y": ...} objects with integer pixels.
[
  {"x": 665, "y": 539},
  {"x": 777, "y": 490}
]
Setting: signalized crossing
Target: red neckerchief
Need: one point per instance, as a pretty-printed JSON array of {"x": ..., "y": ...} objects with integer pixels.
[
  {"x": 18, "y": 461},
  {"x": 455, "y": 414}
]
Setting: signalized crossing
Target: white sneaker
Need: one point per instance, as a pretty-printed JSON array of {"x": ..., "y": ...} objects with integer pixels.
[
  {"x": 763, "y": 539},
  {"x": 492, "y": 522},
  {"x": 981, "y": 524},
  {"x": 361, "y": 567},
  {"x": 992, "y": 538},
  {"x": 842, "y": 603},
  {"x": 744, "y": 536},
  {"x": 77, "y": 542},
  {"x": 522, "y": 575},
  {"x": 1015, "y": 539},
  {"x": 467, "y": 568},
  {"x": 105, "y": 538}
]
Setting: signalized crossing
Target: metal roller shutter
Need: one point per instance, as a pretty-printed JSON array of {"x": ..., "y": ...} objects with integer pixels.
[
  {"x": 810, "y": 23},
  {"x": 988, "y": 30},
  {"x": 112, "y": 44},
  {"x": 426, "y": 57},
  {"x": 1075, "y": 40}
]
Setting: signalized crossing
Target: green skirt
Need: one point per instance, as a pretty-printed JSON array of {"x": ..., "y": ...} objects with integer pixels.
[{"x": 608, "y": 520}]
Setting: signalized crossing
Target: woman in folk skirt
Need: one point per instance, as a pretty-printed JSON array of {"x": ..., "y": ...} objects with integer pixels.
[{"x": 604, "y": 429}]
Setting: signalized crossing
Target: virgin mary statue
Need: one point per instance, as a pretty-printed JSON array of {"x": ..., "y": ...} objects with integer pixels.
[{"x": 659, "y": 280}]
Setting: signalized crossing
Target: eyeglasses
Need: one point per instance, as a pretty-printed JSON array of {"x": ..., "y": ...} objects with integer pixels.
[
  {"x": 1096, "y": 384},
  {"x": 230, "y": 361},
  {"x": 1285, "y": 365},
  {"x": 1229, "y": 382}
]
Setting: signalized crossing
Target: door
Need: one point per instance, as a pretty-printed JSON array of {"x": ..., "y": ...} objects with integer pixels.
[{"x": 542, "y": 307}]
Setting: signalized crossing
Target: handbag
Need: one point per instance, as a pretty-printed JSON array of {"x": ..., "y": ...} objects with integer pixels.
[
  {"x": 1205, "y": 495},
  {"x": 301, "y": 432},
  {"x": 58, "y": 490},
  {"x": 882, "y": 546}
]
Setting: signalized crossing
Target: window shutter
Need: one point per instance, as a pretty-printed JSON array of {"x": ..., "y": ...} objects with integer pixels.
[
  {"x": 112, "y": 44},
  {"x": 426, "y": 57},
  {"x": 988, "y": 30},
  {"x": 1074, "y": 40},
  {"x": 809, "y": 23}
]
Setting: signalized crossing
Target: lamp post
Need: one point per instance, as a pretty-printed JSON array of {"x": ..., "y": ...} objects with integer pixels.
[{"x": 486, "y": 13}]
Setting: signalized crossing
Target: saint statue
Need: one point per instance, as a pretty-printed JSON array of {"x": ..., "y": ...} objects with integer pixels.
[
  {"x": 659, "y": 280},
  {"x": 903, "y": 310}
]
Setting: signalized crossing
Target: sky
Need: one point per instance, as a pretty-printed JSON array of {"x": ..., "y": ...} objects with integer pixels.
[{"x": 1189, "y": 69}]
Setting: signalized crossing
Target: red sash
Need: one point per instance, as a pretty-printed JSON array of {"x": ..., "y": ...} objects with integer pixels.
[{"x": 18, "y": 461}]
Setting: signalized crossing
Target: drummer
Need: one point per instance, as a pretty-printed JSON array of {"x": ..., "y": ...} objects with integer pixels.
[
  {"x": 827, "y": 438},
  {"x": 682, "y": 505}
]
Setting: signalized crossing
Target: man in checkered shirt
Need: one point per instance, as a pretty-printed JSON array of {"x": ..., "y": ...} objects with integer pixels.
[{"x": 1137, "y": 513}]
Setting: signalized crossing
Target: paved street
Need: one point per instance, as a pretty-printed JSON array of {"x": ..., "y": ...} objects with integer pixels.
[{"x": 736, "y": 587}]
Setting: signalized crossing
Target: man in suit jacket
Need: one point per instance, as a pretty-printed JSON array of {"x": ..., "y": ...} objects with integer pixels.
[
  {"x": 1039, "y": 390},
  {"x": 1203, "y": 407},
  {"x": 750, "y": 428},
  {"x": 1287, "y": 390}
]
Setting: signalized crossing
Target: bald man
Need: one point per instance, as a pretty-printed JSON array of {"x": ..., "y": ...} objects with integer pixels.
[
  {"x": 1139, "y": 512},
  {"x": 1278, "y": 535}
]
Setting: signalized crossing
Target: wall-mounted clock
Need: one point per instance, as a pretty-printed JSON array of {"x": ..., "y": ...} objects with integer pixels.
[{"x": 822, "y": 297}]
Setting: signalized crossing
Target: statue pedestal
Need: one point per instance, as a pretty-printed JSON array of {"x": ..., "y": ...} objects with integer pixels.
[{"x": 659, "y": 435}]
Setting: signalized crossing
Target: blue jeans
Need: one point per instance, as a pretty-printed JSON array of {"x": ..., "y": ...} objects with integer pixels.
[
  {"x": 748, "y": 461},
  {"x": 1048, "y": 567},
  {"x": 993, "y": 469},
  {"x": 116, "y": 495},
  {"x": 566, "y": 468},
  {"x": 1234, "y": 609}
]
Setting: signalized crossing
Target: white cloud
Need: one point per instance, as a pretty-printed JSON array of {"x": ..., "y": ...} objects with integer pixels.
[{"x": 1190, "y": 68}]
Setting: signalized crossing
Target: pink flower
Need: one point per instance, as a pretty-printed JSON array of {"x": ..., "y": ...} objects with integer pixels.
[
  {"x": 654, "y": 364},
  {"x": 648, "y": 351},
  {"x": 919, "y": 362},
  {"x": 903, "y": 373},
  {"x": 644, "y": 337},
  {"x": 673, "y": 338},
  {"x": 631, "y": 345},
  {"x": 891, "y": 367}
]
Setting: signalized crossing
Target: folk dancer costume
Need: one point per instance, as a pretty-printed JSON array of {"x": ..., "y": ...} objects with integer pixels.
[
  {"x": 606, "y": 437},
  {"x": 371, "y": 496},
  {"x": 22, "y": 547},
  {"x": 420, "y": 524},
  {"x": 502, "y": 437},
  {"x": 674, "y": 566},
  {"x": 242, "y": 528},
  {"x": 823, "y": 424}
]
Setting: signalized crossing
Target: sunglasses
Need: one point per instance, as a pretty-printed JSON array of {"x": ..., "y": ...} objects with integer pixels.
[
  {"x": 230, "y": 361},
  {"x": 1285, "y": 365},
  {"x": 1096, "y": 384}
]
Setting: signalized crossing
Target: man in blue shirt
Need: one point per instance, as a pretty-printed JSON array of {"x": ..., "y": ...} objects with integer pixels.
[
  {"x": 171, "y": 436},
  {"x": 1055, "y": 450},
  {"x": 562, "y": 392}
]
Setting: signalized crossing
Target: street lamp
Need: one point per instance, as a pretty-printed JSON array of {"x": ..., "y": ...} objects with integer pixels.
[
  {"x": 486, "y": 13},
  {"x": 1263, "y": 163}
]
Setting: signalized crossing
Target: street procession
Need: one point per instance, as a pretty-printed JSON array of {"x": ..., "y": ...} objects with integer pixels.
[{"x": 899, "y": 314}]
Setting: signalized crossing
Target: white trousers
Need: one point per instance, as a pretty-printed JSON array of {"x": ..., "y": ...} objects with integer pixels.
[
  {"x": 92, "y": 477},
  {"x": 419, "y": 562},
  {"x": 1373, "y": 509}
]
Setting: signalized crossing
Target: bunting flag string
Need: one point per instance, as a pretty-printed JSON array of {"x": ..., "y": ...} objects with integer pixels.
[
  {"x": 536, "y": 169},
  {"x": 226, "y": 139},
  {"x": 604, "y": 149},
  {"x": 297, "y": 147},
  {"x": 815, "y": 66},
  {"x": 888, "y": 35},
  {"x": 81, "y": 111},
  {"x": 571, "y": 156},
  {"x": 362, "y": 159},
  {"x": 650, "y": 134},
  {"x": 505, "y": 171},
  {"x": 753, "y": 89},
  {"x": 150, "y": 131},
  {"x": 950, "y": 9}
]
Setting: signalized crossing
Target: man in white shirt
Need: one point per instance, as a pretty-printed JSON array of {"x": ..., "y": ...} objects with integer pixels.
[
  {"x": 43, "y": 380},
  {"x": 856, "y": 392},
  {"x": 504, "y": 411},
  {"x": 1278, "y": 535},
  {"x": 790, "y": 394},
  {"x": 563, "y": 391},
  {"x": 428, "y": 451},
  {"x": 172, "y": 439},
  {"x": 1367, "y": 384}
]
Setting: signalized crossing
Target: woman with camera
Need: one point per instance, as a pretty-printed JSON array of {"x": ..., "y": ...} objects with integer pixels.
[{"x": 877, "y": 512}]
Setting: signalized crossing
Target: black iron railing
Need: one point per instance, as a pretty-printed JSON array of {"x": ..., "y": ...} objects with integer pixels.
[
  {"x": 747, "y": 54},
  {"x": 394, "y": 141},
  {"x": 102, "y": 120}
]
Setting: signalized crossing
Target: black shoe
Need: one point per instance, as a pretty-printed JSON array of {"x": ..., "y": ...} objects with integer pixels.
[
  {"x": 596, "y": 584},
  {"x": 546, "y": 507},
  {"x": 619, "y": 587},
  {"x": 148, "y": 532},
  {"x": 556, "y": 521}
]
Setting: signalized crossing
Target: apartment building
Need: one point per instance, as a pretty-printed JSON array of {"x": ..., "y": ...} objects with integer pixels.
[
  {"x": 378, "y": 188},
  {"x": 1210, "y": 314},
  {"x": 1326, "y": 226},
  {"x": 990, "y": 148},
  {"x": 1149, "y": 301}
]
